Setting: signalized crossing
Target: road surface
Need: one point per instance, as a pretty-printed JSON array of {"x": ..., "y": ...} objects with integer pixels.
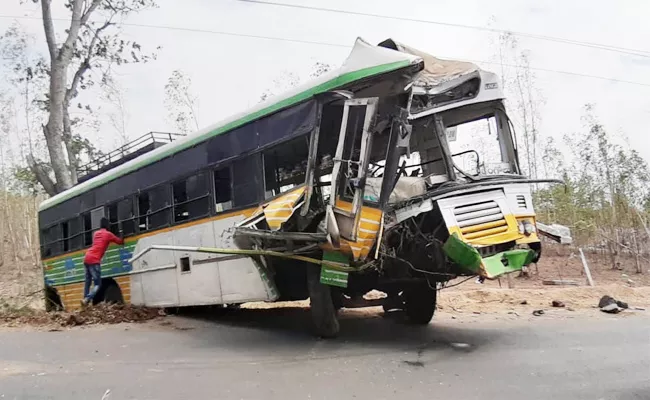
[{"x": 254, "y": 354}]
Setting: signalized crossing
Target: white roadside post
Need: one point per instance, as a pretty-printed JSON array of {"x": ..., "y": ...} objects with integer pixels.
[{"x": 587, "y": 272}]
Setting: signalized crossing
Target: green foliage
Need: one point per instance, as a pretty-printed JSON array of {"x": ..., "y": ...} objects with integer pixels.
[
  {"x": 181, "y": 103},
  {"x": 24, "y": 181},
  {"x": 607, "y": 184}
]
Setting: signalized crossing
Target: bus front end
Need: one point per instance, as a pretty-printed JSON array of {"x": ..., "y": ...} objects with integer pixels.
[{"x": 472, "y": 212}]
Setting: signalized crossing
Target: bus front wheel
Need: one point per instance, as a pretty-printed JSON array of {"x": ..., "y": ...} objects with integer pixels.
[
  {"x": 420, "y": 304},
  {"x": 323, "y": 312}
]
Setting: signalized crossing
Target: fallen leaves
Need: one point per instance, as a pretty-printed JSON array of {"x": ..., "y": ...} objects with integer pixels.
[{"x": 99, "y": 314}]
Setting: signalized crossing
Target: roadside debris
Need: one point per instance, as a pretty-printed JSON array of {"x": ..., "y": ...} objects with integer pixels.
[
  {"x": 611, "y": 308},
  {"x": 524, "y": 302},
  {"x": 538, "y": 313},
  {"x": 558, "y": 304},
  {"x": 556, "y": 232},
  {"x": 560, "y": 282},
  {"x": 610, "y": 305},
  {"x": 605, "y": 300},
  {"x": 98, "y": 314},
  {"x": 622, "y": 304}
]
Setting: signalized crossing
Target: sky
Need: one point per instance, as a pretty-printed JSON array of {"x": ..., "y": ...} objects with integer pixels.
[{"x": 230, "y": 72}]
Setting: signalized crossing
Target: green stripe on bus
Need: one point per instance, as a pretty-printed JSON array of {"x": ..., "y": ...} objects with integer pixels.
[{"x": 71, "y": 269}]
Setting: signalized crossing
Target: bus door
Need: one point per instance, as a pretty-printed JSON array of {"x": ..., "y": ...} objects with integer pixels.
[{"x": 357, "y": 224}]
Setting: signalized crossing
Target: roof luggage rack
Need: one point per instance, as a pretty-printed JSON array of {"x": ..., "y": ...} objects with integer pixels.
[{"x": 129, "y": 151}]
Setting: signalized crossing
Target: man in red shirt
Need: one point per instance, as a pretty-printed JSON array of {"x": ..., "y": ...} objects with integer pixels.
[{"x": 93, "y": 259}]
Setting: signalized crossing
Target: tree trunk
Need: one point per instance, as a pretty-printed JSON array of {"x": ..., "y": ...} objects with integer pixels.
[
  {"x": 59, "y": 62},
  {"x": 54, "y": 129},
  {"x": 42, "y": 175},
  {"x": 73, "y": 157},
  {"x": 639, "y": 269}
]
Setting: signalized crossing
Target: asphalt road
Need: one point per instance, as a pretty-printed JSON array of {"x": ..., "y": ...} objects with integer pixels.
[{"x": 268, "y": 355}]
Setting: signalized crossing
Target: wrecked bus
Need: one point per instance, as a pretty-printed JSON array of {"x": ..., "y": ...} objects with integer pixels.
[{"x": 398, "y": 172}]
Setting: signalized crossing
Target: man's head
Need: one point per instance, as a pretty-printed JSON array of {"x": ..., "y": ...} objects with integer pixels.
[{"x": 103, "y": 223}]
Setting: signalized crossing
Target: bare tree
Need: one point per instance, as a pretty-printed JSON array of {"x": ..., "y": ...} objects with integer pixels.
[
  {"x": 182, "y": 105},
  {"x": 119, "y": 115},
  {"x": 518, "y": 81},
  {"x": 88, "y": 51}
]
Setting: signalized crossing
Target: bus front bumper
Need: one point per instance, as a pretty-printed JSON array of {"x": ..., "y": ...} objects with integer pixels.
[{"x": 491, "y": 267}]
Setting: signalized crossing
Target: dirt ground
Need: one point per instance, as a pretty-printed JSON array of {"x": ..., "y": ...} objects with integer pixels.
[
  {"x": 21, "y": 302},
  {"x": 561, "y": 263}
]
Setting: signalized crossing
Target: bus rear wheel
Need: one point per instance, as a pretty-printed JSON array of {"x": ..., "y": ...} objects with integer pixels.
[
  {"x": 52, "y": 300},
  {"x": 323, "y": 312},
  {"x": 113, "y": 294},
  {"x": 420, "y": 304}
]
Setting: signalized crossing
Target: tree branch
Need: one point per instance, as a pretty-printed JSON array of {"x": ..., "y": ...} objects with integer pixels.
[
  {"x": 41, "y": 175},
  {"x": 76, "y": 21},
  {"x": 86, "y": 14},
  {"x": 48, "y": 26},
  {"x": 73, "y": 157},
  {"x": 71, "y": 92}
]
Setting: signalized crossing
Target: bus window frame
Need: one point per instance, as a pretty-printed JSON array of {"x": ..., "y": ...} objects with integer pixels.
[
  {"x": 218, "y": 206},
  {"x": 207, "y": 196},
  {"x": 148, "y": 213}
]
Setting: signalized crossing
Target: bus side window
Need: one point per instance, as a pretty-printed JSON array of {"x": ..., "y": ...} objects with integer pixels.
[
  {"x": 126, "y": 216},
  {"x": 191, "y": 198},
  {"x": 154, "y": 209},
  {"x": 246, "y": 180},
  {"x": 96, "y": 216},
  {"x": 113, "y": 220},
  {"x": 75, "y": 233},
  {"x": 87, "y": 229},
  {"x": 65, "y": 236},
  {"x": 143, "y": 211},
  {"x": 52, "y": 243},
  {"x": 285, "y": 165},
  {"x": 222, "y": 189}
]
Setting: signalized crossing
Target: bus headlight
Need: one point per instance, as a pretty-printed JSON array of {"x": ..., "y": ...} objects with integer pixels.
[{"x": 526, "y": 227}]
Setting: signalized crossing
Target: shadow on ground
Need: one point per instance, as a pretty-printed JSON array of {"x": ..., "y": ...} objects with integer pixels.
[{"x": 252, "y": 329}]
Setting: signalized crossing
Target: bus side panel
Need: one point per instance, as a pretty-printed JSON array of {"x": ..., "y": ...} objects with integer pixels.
[
  {"x": 241, "y": 281},
  {"x": 199, "y": 284},
  {"x": 154, "y": 281},
  {"x": 71, "y": 295},
  {"x": 159, "y": 281},
  {"x": 66, "y": 273}
]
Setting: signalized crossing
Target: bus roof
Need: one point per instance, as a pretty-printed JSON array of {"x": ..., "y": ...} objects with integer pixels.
[
  {"x": 440, "y": 76},
  {"x": 364, "y": 61}
]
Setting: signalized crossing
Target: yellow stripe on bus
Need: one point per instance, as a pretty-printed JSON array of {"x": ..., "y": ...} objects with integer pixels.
[{"x": 246, "y": 213}]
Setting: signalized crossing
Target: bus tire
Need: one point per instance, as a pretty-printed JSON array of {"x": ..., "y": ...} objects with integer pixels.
[
  {"x": 394, "y": 301},
  {"x": 113, "y": 294},
  {"x": 52, "y": 300},
  {"x": 323, "y": 313},
  {"x": 337, "y": 298},
  {"x": 420, "y": 304}
]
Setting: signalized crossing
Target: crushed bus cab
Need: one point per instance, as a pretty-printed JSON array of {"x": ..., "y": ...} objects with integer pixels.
[{"x": 398, "y": 172}]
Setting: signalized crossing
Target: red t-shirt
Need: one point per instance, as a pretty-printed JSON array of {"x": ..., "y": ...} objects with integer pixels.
[{"x": 101, "y": 239}]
